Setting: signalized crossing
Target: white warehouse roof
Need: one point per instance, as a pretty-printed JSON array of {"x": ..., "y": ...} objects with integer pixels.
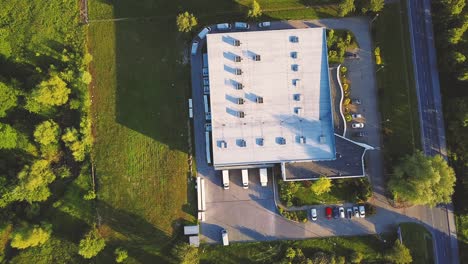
[{"x": 294, "y": 122}]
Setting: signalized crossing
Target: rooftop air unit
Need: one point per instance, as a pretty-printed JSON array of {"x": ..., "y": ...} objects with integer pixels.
[
  {"x": 297, "y": 97},
  {"x": 294, "y": 67},
  {"x": 241, "y": 114},
  {"x": 259, "y": 100},
  {"x": 222, "y": 144},
  {"x": 294, "y": 39},
  {"x": 298, "y": 111},
  {"x": 241, "y": 143},
  {"x": 302, "y": 140},
  {"x": 238, "y": 72},
  {"x": 294, "y": 54},
  {"x": 236, "y": 43},
  {"x": 256, "y": 57},
  {"x": 240, "y": 101},
  {"x": 239, "y": 86},
  {"x": 237, "y": 58},
  {"x": 296, "y": 82},
  {"x": 281, "y": 140}
]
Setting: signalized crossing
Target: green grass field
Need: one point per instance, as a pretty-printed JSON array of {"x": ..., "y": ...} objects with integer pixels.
[
  {"x": 397, "y": 93},
  {"x": 419, "y": 242},
  {"x": 371, "y": 247}
]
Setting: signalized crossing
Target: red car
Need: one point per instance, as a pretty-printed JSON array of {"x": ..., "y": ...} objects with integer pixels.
[{"x": 328, "y": 212}]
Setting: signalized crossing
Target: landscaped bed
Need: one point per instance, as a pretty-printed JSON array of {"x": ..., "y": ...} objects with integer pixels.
[{"x": 419, "y": 242}]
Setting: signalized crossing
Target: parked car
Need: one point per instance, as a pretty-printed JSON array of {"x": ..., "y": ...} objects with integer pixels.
[
  {"x": 354, "y": 116},
  {"x": 341, "y": 210},
  {"x": 362, "y": 211},
  {"x": 351, "y": 55},
  {"x": 265, "y": 24},
  {"x": 359, "y": 134},
  {"x": 356, "y": 101},
  {"x": 241, "y": 25},
  {"x": 204, "y": 32},
  {"x": 328, "y": 212},
  {"x": 349, "y": 213},
  {"x": 336, "y": 212},
  {"x": 356, "y": 211},
  {"x": 357, "y": 125},
  {"x": 208, "y": 127},
  {"x": 224, "y": 236},
  {"x": 223, "y": 26},
  {"x": 194, "y": 47},
  {"x": 313, "y": 214}
]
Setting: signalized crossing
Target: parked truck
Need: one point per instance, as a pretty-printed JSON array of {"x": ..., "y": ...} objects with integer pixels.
[
  {"x": 263, "y": 177},
  {"x": 226, "y": 179},
  {"x": 245, "y": 178}
]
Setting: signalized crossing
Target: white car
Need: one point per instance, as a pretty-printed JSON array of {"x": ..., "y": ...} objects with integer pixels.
[
  {"x": 223, "y": 26},
  {"x": 341, "y": 210},
  {"x": 357, "y": 125},
  {"x": 362, "y": 211},
  {"x": 241, "y": 25},
  {"x": 356, "y": 211},
  {"x": 313, "y": 214},
  {"x": 355, "y": 116},
  {"x": 225, "y": 237},
  {"x": 264, "y": 24}
]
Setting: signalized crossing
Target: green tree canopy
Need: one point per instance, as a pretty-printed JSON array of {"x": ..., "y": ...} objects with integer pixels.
[
  {"x": 33, "y": 182},
  {"x": 419, "y": 179},
  {"x": 255, "y": 10},
  {"x": 8, "y": 98},
  {"x": 120, "y": 255},
  {"x": 376, "y": 5},
  {"x": 399, "y": 254},
  {"x": 91, "y": 244},
  {"x": 71, "y": 140},
  {"x": 321, "y": 186},
  {"x": 31, "y": 236},
  {"x": 47, "y": 133},
  {"x": 8, "y": 137},
  {"x": 49, "y": 93},
  {"x": 453, "y": 7},
  {"x": 186, "y": 21},
  {"x": 457, "y": 57},
  {"x": 345, "y": 7}
]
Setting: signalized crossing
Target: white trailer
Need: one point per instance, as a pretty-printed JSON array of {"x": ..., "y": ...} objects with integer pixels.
[
  {"x": 226, "y": 179},
  {"x": 208, "y": 147},
  {"x": 203, "y": 195},
  {"x": 263, "y": 177},
  {"x": 245, "y": 179}
]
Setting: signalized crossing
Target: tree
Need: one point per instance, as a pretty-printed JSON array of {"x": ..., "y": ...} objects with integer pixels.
[
  {"x": 186, "y": 21},
  {"x": 454, "y": 7},
  {"x": 420, "y": 180},
  {"x": 457, "y": 57},
  {"x": 463, "y": 74},
  {"x": 33, "y": 182},
  {"x": 91, "y": 244},
  {"x": 321, "y": 186},
  {"x": 47, "y": 133},
  {"x": 356, "y": 257},
  {"x": 8, "y": 98},
  {"x": 376, "y": 5},
  {"x": 49, "y": 93},
  {"x": 346, "y": 7},
  {"x": 31, "y": 236},
  {"x": 399, "y": 254},
  {"x": 185, "y": 254},
  {"x": 71, "y": 140},
  {"x": 255, "y": 10},
  {"x": 8, "y": 137},
  {"x": 120, "y": 255}
]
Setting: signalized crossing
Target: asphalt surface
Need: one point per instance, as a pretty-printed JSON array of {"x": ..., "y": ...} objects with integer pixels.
[{"x": 442, "y": 224}]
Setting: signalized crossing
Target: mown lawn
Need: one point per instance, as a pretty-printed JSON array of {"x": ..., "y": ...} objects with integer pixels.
[
  {"x": 419, "y": 242},
  {"x": 397, "y": 92},
  {"x": 371, "y": 247}
]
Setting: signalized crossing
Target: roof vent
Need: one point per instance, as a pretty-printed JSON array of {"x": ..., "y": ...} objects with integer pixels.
[
  {"x": 298, "y": 111},
  {"x": 297, "y": 97},
  {"x": 294, "y": 39},
  {"x": 296, "y": 82},
  {"x": 294, "y": 67},
  {"x": 301, "y": 139},
  {"x": 241, "y": 114},
  {"x": 241, "y": 143},
  {"x": 281, "y": 140},
  {"x": 222, "y": 144},
  {"x": 256, "y": 57},
  {"x": 259, "y": 141},
  {"x": 294, "y": 54},
  {"x": 259, "y": 100},
  {"x": 237, "y": 58},
  {"x": 238, "y": 71},
  {"x": 240, "y": 101},
  {"x": 239, "y": 86},
  {"x": 236, "y": 43}
]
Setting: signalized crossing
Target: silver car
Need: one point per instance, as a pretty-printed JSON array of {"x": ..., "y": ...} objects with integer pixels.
[
  {"x": 313, "y": 214},
  {"x": 357, "y": 125}
]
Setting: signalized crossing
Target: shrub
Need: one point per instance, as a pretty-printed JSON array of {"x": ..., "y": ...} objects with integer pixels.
[
  {"x": 91, "y": 244},
  {"x": 297, "y": 216},
  {"x": 356, "y": 257},
  {"x": 255, "y": 10},
  {"x": 31, "y": 236},
  {"x": 120, "y": 255},
  {"x": 347, "y": 101},
  {"x": 348, "y": 117},
  {"x": 345, "y": 86},
  {"x": 321, "y": 186},
  {"x": 343, "y": 69}
]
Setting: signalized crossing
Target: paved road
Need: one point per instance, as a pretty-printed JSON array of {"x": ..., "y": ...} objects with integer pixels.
[{"x": 431, "y": 120}]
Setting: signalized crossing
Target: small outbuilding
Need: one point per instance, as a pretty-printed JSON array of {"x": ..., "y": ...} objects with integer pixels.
[{"x": 191, "y": 230}]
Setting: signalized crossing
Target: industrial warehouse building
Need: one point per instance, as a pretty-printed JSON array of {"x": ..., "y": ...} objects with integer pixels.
[{"x": 270, "y": 103}]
